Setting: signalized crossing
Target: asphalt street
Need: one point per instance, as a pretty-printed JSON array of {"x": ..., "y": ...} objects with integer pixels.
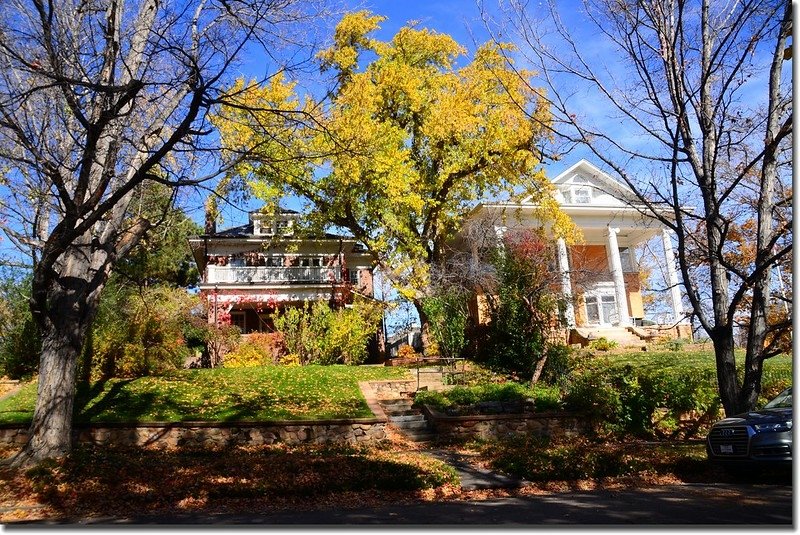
[{"x": 672, "y": 505}]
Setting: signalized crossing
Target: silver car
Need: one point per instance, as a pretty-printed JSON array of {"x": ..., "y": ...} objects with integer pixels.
[{"x": 762, "y": 436}]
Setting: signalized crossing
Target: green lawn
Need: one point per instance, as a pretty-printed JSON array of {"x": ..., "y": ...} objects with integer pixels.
[
  {"x": 223, "y": 394},
  {"x": 777, "y": 370}
]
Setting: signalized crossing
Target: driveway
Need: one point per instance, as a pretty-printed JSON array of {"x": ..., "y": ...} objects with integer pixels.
[{"x": 687, "y": 504}]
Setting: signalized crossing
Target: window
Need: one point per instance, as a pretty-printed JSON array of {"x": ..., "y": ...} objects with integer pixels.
[
  {"x": 582, "y": 195},
  {"x": 592, "y": 309},
  {"x": 238, "y": 320},
  {"x": 262, "y": 228},
  {"x": 608, "y": 305},
  {"x": 284, "y": 227},
  {"x": 626, "y": 260}
]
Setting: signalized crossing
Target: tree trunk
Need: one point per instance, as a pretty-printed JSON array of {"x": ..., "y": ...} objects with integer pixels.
[
  {"x": 726, "y": 370},
  {"x": 425, "y": 327},
  {"x": 539, "y": 368},
  {"x": 50, "y": 433},
  {"x": 64, "y": 304}
]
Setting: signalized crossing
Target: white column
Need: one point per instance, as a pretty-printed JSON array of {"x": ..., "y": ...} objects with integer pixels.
[
  {"x": 672, "y": 278},
  {"x": 566, "y": 283},
  {"x": 619, "y": 279}
]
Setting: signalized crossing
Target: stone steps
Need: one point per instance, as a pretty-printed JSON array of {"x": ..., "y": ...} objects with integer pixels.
[{"x": 410, "y": 422}]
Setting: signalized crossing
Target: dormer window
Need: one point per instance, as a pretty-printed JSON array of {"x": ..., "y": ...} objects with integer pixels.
[
  {"x": 284, "y": 227},
  {"x": 261, "y": 225},
  {"x": 262, "y": 228}
]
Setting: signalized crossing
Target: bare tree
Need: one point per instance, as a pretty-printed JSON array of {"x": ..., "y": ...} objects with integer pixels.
[
  {"x": 96, "y": 98},
  {"x": 697, "y": 105}
]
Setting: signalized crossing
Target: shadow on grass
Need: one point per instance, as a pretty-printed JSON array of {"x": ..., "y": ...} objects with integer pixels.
[
  {"x": 121, "y": 402},
  {"x": 118, "y": 404}
]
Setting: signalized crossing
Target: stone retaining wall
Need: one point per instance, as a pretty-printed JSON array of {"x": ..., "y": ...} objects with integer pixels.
[
  {"x": 498, "y": 425},
  {"x": 216, "y": 435},
  {"x": 392, "y": 388}
]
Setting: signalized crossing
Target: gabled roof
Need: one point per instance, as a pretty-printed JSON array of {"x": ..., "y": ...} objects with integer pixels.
[
  {"x": 586, "y": 168},
  {"x": 246, "y": 231}
]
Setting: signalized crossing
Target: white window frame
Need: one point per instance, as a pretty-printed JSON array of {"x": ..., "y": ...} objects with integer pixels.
[{"x": 598, "y": 300}]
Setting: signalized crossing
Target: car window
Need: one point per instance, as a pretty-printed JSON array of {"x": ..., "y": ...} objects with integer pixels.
[{"x": 783, "y": 401}]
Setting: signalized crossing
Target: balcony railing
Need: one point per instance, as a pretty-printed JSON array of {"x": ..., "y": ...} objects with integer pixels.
[{"x": 274, "y": 275}]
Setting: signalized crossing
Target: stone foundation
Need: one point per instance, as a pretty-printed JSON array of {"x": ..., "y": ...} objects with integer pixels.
[
  {"x": 486, "y": 426},
  {"x": 216, "y": 435}
]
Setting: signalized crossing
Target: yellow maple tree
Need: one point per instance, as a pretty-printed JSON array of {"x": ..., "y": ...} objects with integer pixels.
[{"x": 413, "y": 134}]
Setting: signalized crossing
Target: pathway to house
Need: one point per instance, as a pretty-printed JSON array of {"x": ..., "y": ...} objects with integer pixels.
[
  {"x": 474, "y": 477},
  {"x": 410, "y": 423}
]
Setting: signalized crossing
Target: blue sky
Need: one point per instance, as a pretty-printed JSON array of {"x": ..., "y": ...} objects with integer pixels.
[{"x": 459, "y": 18}]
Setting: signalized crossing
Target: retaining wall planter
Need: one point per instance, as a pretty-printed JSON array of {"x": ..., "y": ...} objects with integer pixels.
[
  {"x": 217, "y": 435},
  {"x": 499, "y": 425},
  {"x": 221, "y": 434}
]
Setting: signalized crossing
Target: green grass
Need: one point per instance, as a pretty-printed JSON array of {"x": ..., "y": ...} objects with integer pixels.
[
  {"x": 223, "y": 394},
  {"x": 545, "y": 397},
  {"x": 777, "y": 370}
]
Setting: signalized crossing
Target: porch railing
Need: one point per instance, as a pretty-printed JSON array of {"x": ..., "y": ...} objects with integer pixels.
[{"x": 274, "y": 275}]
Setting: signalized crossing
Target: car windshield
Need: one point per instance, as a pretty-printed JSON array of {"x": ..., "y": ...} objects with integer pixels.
[{"x": 783, "y": 401}]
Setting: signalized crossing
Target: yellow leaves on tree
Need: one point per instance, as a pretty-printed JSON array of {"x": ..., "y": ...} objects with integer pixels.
[{"x": 413, "y": 135}]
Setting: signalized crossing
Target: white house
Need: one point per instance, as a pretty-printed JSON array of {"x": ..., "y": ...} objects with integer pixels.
[{"x": 599, "y": 274}]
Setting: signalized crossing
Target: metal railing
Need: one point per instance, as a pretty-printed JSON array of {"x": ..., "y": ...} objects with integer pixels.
[
  {"x": 447, "y": 367},
  {"x": 274, "y": 275}
]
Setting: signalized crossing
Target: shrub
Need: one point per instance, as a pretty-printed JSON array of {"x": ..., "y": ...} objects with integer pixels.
[
  {"x": 544, "y": 397},
  {"x": 603, "y": 344},
  {"x": 20, "y": 342},
  {"x": 405, "y": 351},
  {"x": 676, "y": 344},
  {"x": 349, "y": 332},
  {"x": 316, "y": 334},
  {"x": 138, "y": 333},
  {"x": 626, "y": 399},
  {"x": 448, "y": 316},
  {"x": 561, "y": 360},
  {"x": 257, "y": 349}
]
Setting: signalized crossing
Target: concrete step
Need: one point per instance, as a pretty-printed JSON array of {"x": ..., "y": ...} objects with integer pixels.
[
  {"x": 420, "y": 436},
  {"x": 416, "y": 417},
  {"x": 396, "y": 404},
  {"x": 394, "y": 413},
  {"x": 411, "y": 426}
]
